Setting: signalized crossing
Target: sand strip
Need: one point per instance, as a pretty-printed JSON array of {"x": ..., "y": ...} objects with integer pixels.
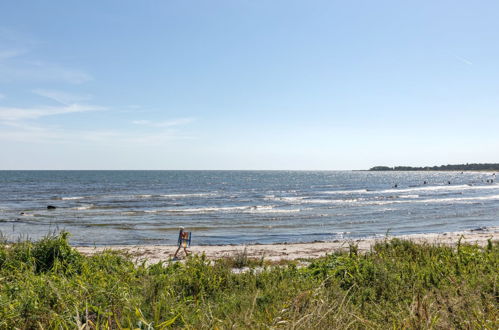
[{"x": 292, "y": 251}]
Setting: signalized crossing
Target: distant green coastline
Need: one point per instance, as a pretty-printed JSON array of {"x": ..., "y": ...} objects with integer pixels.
[{"x": 458, "y": 167}]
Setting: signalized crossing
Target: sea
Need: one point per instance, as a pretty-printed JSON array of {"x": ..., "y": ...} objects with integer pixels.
[{"x": 242, "y": 207}]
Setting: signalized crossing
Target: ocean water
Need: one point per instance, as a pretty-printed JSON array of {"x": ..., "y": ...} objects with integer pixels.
[{"x": 240, "y": 207}]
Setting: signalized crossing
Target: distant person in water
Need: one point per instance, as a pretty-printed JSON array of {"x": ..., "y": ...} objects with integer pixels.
[
  {"x": 425, "y": 182},
  {"x": 396, "y": 185},
  {"x": 184, "y": 240},
  {"x": 448, "y": 182}
]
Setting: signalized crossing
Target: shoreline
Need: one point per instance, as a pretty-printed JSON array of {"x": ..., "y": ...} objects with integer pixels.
[{"x": 292, "y": 251}]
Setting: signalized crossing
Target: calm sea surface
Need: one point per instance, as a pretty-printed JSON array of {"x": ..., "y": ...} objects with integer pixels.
[{"x": 234, "y": 207}]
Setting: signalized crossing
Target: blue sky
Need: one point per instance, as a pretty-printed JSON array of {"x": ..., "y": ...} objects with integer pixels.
[{"x": 248, "y": 84}]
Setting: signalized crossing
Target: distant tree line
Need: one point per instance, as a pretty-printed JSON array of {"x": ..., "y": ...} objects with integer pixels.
[{"x": 458, "y": 167}]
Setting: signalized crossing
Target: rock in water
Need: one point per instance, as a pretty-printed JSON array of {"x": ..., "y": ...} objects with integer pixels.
[{"x": 51, "y": 207}]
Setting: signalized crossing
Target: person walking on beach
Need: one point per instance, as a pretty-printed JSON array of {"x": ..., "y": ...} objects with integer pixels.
[{"x": 184, "y": 240}]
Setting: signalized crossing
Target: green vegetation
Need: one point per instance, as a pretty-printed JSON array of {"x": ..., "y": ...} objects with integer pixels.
[
  {"x": 399, "y": 284},
  {"x": 458, "y": 167}
]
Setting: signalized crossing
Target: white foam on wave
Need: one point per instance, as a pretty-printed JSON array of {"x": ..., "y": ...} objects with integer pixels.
[
  {"x": 188, "y": 195},
  {"x": 460, "y": 200},
  {"x": 72, "y": 198},
  {"x": 206, "y": 209},
  {"x": 344, "y": 192},
  {"x": 433, "y": 188},
  {"x": 143, "y": 196},
  {"x": 396, "y": 199},
  {"x": 410, "y": 189},
  {"x": 292, "y": 200},
  {"x": 408, "y": 196},
  {"x": 325, "y": 201},
  {"x": 83, "y": 207},
  {"x": 269, "y": 209},
  {"x": 229, "y": 209},
  {"x": 132, "y": 197},
  {"x": 130, "y": 213}
]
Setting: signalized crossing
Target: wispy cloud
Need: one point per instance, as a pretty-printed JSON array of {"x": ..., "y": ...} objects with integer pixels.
[
  {"x": 21, "y": 125},
  {"x": 20, "y": 132},
  {"x": 62, "y": 97},
  {"x": 18, "y": 62},
  {"x": 10, "y": 53},
  {"x": 38, "y": 71},
  {"x": 12, "y": 114},
  {"x": 167, "y": 123},
  {"x": 463, "y": 60}
]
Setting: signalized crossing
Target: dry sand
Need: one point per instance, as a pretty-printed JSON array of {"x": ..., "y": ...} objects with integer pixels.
[{"x": 275, "y": 252}]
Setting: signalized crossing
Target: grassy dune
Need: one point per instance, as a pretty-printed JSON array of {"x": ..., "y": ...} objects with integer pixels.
[{"x": 399, "y": 284}]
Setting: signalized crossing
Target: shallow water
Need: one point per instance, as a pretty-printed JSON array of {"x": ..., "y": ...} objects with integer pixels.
[{"x": 234, "y": 207}]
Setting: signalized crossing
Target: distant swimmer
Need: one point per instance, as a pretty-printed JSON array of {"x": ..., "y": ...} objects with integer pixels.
[
  {"x": 396, "y": 185},
  {"x": 448, "y": 182},
  {"x": 425, "y": 182}
]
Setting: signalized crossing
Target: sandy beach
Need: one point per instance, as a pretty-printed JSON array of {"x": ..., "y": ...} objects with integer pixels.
[{"x": 276, "y": 252}]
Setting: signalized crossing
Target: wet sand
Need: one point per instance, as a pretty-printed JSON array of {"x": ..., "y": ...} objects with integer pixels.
[{"x": 276, "y": 252}]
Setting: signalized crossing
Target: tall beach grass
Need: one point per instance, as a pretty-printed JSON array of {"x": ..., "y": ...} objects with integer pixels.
[{"x": 398, "y": 284}]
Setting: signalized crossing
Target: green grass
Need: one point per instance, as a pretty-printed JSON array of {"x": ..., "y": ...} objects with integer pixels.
[{"x": 399, "y": 284}]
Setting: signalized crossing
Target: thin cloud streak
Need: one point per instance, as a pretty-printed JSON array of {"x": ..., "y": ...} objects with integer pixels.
[
  {"x": 168, "y": 123},
  {"x": 15, "y": 68},
  {"x": 19, "y": 63},
  {"x": 61, "y": 97},
  {"x": 10, "y": 53},
  {"x": 37, "y": 71},
  {"x": 50, "y": 135},
  {"x": 12, "y": 114},
  {"x": 463, "y": 60}
]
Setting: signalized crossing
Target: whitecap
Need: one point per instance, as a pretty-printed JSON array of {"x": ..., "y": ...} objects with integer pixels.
[
  {"x": 83, "y": 207},
  {"x": 344, "y": 192},
  {"x": 434, "y": 188},
  {"x": 188, "y": 195}
]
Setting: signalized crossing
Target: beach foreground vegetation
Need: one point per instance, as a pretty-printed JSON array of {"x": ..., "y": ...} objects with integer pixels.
[{"x": 397, "y": 284}]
